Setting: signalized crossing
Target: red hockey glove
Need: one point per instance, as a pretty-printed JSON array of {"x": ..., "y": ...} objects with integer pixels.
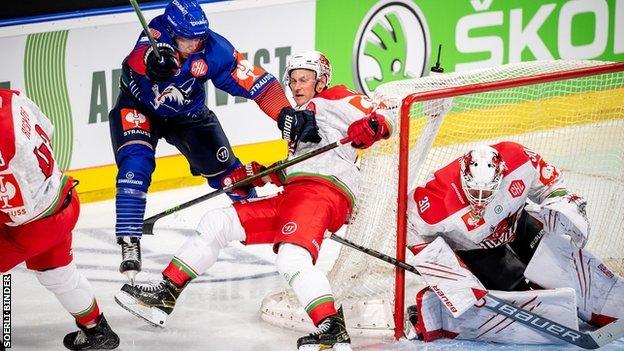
[
  {"x": 366, "y": 131},
  {"x": 248, "y": 170}
]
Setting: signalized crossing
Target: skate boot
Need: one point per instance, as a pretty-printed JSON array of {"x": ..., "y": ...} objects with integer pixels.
[
  {"x": 130, "y": 256},
  {"x": 330, "y": 335},
  {"x": 99, "y": 337},
  {"x": 152, "y": 302},
  {"x": 410, "y": 327}
]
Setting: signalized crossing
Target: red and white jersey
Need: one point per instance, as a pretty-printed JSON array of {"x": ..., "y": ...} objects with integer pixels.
[
  {"x": 335, "y": 108},
  {"x": 30, "y": 181},
  {"x": 441, "y": 208}
]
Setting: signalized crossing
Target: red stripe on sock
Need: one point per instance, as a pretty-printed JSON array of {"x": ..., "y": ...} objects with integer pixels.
[
  {"x": 322, "y": 311},
  {"x": 91, "y": 318},
  {"x": 176, "y": 275}
]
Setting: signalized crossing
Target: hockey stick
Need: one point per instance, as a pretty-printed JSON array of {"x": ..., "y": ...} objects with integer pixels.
[
  {"x": 586, "y": 340},
  {"x": 148, "y": 224},
  {"x": 137, "y": 9}
]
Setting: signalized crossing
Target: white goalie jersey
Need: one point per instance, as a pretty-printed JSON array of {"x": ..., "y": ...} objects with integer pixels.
[
  {"x": 335, "y": 108},
  {"x": 31, "y": 184},
  {"x": 441, "y": 207}
]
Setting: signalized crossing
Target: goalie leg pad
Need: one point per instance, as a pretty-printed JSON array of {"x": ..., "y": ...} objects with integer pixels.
[
  {"x": 559, "y": 263},
  {"x": 481, "y": 324}
]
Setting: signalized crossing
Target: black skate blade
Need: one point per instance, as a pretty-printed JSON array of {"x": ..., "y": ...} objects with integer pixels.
[{"x": 151, "y": 315}]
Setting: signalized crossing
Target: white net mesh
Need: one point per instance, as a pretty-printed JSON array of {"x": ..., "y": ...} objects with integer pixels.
[{"x": 575, "y": 124}]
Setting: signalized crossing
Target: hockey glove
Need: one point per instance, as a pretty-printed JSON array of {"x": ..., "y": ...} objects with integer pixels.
[
  {"x": 566, "y": 215},
  {"x": 251, "y": 169},
  {"x": 161, "y": 70},
  {"x": 298, "y": 125},
  {"x": 366, "y": 131}
]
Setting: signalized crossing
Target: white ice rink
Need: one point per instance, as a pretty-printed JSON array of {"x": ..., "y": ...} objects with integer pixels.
[{"x": 219, "y": 311}]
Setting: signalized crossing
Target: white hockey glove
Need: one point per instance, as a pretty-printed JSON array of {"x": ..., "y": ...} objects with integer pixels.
[{"x": 565, "y": 215}]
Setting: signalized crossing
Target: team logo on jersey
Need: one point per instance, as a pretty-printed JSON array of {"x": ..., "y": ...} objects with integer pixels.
[
  {"x": 155, "y": 33},
  {"x": 392, "y": 43},
  {"x": 247, "y": 75},
  {"x": 134, "y": 119},
  {"x": 289, "y": 228},
  {"x": 503, "y": 232},
  {"x": 516, "y": 188},
  {"x": 199, "y": 68},
  {"x": 548, "y": 173},
  {"x": 10, "y": 195},
  {"x": 172, "y": 97},
  {"x": 472, "y": 221},
  {"x": 362, "y": 103},
  {"x": 223, "y": 154}
]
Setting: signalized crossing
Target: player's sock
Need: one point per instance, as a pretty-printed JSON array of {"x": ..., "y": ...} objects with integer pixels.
[{"x": 179, "y": 272}]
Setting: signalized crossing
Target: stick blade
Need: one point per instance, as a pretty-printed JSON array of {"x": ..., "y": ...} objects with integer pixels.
[
  {"x": 608, "y": 333},
  {"x": 148, "y": 227}
]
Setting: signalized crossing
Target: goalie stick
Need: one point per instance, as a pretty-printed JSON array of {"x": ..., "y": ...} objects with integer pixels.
[
  {"x": 148, "y": 224},
  {"x": 586, "y": 340}
]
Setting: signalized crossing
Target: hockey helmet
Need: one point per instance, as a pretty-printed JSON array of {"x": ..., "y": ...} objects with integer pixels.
[
  {"x": 481, "y": 173},
  {"x": 312, "y": 60},
  {"x": 186, "y": 19}
]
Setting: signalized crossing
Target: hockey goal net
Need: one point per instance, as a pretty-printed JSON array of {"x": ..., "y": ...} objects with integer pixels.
[{"x": 571, "y": 112}]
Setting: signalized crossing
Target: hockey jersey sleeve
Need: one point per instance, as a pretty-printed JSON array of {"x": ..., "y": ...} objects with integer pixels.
[
  {"x": 548, "y": 181},
  {"x": 237, "y": 76}
]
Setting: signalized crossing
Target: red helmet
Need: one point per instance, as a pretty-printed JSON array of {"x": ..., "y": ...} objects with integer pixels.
[{"x": 481, "y": 175}]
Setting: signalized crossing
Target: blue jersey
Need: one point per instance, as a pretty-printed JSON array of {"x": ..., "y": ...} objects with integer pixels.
[{"x": 184, "y": 94}]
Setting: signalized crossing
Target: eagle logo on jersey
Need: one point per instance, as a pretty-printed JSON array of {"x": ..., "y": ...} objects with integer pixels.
[
  {"x": 172, "y": 97},
  {"x": 10, "y": 196}
]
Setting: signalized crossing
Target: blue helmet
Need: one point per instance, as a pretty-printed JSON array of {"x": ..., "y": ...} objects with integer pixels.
[{"x": 186, "y": 19}]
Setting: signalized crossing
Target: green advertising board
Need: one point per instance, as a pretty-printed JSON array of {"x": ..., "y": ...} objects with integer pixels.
[{"x": 373, "y": 42}]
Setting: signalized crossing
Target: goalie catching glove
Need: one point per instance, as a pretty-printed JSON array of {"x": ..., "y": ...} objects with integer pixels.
[
  {"x": 366, "y": 131},
  {"x": 566, "y": 215},
  {"x": 163, "y": 69}
]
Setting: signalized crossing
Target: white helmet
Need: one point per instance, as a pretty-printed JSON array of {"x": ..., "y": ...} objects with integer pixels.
[
  {"x": 312, "y": 60},
  {"x": 481, "y": 175}
]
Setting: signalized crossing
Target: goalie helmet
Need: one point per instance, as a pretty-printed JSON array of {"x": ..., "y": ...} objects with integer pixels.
[
  {"x": 185, "y": 18},
  {"x": 312, "y": 60},
  {"x": 481, "y": 173}
]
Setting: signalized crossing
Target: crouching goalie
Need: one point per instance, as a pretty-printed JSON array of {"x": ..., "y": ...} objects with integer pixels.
[{"x": 500, "y": 217}]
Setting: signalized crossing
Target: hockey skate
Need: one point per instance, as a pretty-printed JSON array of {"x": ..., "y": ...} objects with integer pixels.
[
  {"x": 330, "y": 335},
  {"x": 99, "y": 337},
  {"x": 152, "y": 302},
  {"x": 130, "y": 257}
]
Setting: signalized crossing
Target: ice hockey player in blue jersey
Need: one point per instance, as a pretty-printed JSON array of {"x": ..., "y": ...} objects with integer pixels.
[{"x": 164, "y": 97}]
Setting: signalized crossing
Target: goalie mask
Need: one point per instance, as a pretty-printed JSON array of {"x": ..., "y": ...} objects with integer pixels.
[
  {"x": 481, "y": 173},
  {"x": 312, "y": 60}
]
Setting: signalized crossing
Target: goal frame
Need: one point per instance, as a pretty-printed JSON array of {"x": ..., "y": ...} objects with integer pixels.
[{"x": 403, "y": 164}]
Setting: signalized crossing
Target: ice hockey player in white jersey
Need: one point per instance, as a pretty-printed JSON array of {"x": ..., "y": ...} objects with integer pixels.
[
  {"x": 509, "y": 218},
  {"x": 38, "y": 211},
  {"x": 317, "y": 198}
]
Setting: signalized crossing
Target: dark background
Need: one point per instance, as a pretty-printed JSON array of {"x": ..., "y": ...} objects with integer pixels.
[{"x": 28, "y": 8}]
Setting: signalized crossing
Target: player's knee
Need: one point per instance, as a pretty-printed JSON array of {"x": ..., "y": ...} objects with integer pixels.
[
  {"x": 60, "y": 280},
  {"x": 221, "y": 225},
  {"x": 292, "y": 259},
  {"x": 135, "y": 164}
]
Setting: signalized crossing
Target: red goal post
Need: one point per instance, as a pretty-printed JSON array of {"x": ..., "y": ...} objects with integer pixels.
[{"x": 404, "y": 147}]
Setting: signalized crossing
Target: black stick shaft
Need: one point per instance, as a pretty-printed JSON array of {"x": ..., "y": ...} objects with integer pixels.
[{"x": 148, "y": 224}]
